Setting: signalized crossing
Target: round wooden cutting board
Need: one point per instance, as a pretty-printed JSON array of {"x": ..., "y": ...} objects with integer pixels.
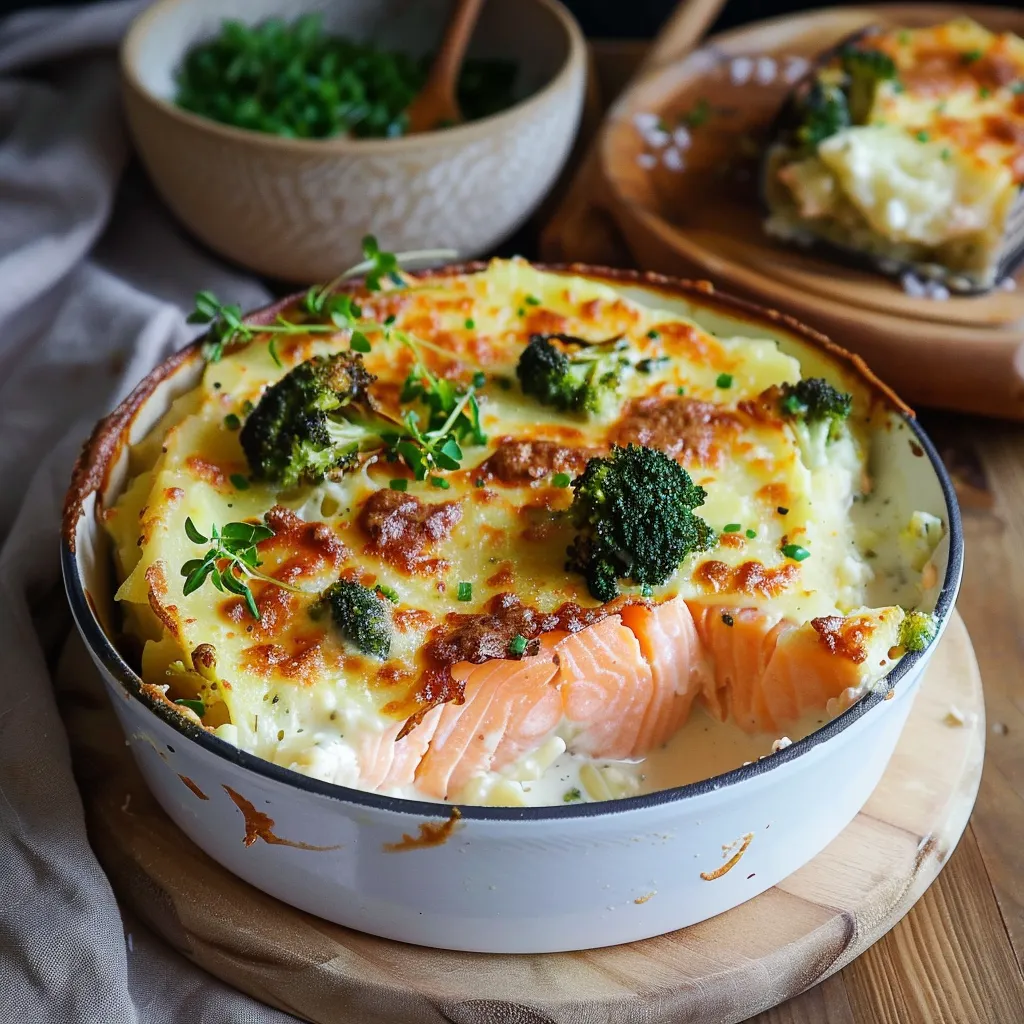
[
  {"x": 718, "y": 972},
  {"x": 694, "y": 209}
]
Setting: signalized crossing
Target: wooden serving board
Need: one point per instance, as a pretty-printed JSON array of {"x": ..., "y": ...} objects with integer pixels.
[
  {"x": 702, "y": 221},
  {"x": 719, "y": 972}
]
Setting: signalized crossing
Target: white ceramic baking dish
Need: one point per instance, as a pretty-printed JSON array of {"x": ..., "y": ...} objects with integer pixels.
[{"x": 494, "y": 879}]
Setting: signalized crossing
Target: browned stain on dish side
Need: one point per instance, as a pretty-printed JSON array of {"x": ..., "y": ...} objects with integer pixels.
[
  {"x": 261, "y": 826},
  {"x": 195, "y": 789},
  {"x": 431, "y": 834},
  {"x": 710, "y": 876}
]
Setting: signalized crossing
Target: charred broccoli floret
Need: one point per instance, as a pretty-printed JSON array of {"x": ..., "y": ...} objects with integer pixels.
[
  {"x": 865, "y": 69},
  {"x": 917, "y": 630},
  {"x": 824, "y": 112},
  {"x": 313, "y": 422},
  {"x": 818, "y": 412},
  {"x": 572, "y": 374},
  {"x": 360, "y": 615},
  {"x": 634, "y": 513}
]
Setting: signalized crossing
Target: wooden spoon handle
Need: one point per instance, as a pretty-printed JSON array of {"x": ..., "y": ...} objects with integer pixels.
[
  {"x": 683, "y": 30},
  {"x": 453, "y": 45}
]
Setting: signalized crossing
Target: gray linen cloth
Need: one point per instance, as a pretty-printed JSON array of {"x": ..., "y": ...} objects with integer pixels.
[{"x": 94, "y": 281}]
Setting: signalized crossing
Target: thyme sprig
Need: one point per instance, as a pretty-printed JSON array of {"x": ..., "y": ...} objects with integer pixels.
[
  {"x": 227, "y": 328},
  {"x": 232, "y": 560}
]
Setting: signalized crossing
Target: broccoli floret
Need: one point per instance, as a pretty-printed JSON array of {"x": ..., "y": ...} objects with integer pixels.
[
  {"x": 917, "y": 630},
  {"x": 634, "y": 513},
  {"x": 572, "y": 374},
  {"x": 824, "y": 112},
  {"x": 818, "y": 412},
  {"x": 313, "y": 422},
  {"x": 865, "y": 68},
  {"x": 360, "y": 616}
]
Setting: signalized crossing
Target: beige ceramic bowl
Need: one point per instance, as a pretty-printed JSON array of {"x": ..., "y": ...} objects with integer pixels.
[{"x": 297, "y": 209}]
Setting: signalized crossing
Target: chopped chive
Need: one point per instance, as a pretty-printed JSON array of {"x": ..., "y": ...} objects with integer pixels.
[
  {"x": 247, "y": 407},
  {"x": 479, "y": 482},
  {"x": 571, "y": 795},
  {"x": 398, "y": 485},
  {"x": 389, "y": 592},
  {"x": 520, "y": 311},
  {"x": 751, "y": 534},
  {"x": 680, "y": 390},
  {"x": 724, "y": 380},
  {"x": 479, "y": 379},
  {"x": 532, "y": 300},
  {"x": 782, "y": 510},
  {"x": 517, "y": 645},
  {"x": 984, "y": 92},
  {"x": 731, "y": 528},
  {"x": 193, "y": 705},
  {"x": 970, "y": 56},
  {"x": 727, "y": 618},
  {"x": 232, "y": 422},
  {"x": 272, "y": 349},
  {"x": 240, "y": 482},
  {"x": 794, "y": 551},
  {"x": 470, "y": 323},
  {"x": 561, "y": 480},
  {"x": 465, "y": 592},
  {"x": 922, "y": 136},
  {"x": 439, "y": 481},
  {"x": 946, "y": 154},
  {"x": 653, "y": 334}
]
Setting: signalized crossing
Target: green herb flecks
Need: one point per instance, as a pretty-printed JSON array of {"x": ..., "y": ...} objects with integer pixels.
[
  {"x": 465, "y": 592},
  {"x": 796, "y": 552}
]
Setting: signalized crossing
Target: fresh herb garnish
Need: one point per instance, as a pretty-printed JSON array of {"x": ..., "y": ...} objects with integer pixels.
[
  {"x": 724, "y": 380},
  {"x": 239, "y": 482},
  {"x": 970, "y": 56},
  {"x": 698, "y": 115},
  {"x": 922, "y": 136},
  {"x": 517, "y": 645},
  {"x": 561, "y": 480},
  {"x": 230, "y": 562},
  {"x": 465, "y": 592},
  {"x": 298, "y": 80},
  {"x": 196, "y": 706},
  {"x": 398, "y": 485},
  {"x": 439, "y": 481},
  {"x": 796, "y": 552},
  {"x": 751, "y": 534},
  {"x": 731, "y": 528},
  {"x": 470, "y": 323},
  {"x": 389, "y": 592},
  {"x": 572, "y": 795},
  {"x": 232, "y": 422},
  {"x": 532, "y": 300}
]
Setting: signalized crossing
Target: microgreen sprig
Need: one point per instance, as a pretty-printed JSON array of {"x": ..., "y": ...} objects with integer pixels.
[
  {"x": 231, "y": 561},
  {"x": 342, "y": 313}
]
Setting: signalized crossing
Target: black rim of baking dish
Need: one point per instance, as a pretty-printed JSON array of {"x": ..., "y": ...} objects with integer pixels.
[{"x": 108, "y": 655}]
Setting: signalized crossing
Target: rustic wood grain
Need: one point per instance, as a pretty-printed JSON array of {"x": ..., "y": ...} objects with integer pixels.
[{"x": 717, "y": 972}]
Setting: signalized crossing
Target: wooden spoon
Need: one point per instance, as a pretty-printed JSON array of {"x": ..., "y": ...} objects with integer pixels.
[{"x": 436, "y": 103}]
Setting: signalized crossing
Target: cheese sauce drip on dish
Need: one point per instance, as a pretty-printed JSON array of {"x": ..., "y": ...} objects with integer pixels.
[{"x": 505, "y": 680}]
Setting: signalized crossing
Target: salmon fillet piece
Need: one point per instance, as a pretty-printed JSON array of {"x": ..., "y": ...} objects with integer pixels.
[
  {"x": 607, "y": 686},
  {"x": 387, "y": 762},
  {"x": 768, "y": 673},
  {"x": 511, "y": 708},
  {"x": 680, "y": 671}
]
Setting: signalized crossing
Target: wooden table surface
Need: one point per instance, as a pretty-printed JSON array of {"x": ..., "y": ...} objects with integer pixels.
[{"x": 957, "y": 957}]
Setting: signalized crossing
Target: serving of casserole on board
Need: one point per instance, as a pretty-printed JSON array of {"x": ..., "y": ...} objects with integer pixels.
[
  {"x": 794, "y": 935},
  {"x": 693, "y": 209}
]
